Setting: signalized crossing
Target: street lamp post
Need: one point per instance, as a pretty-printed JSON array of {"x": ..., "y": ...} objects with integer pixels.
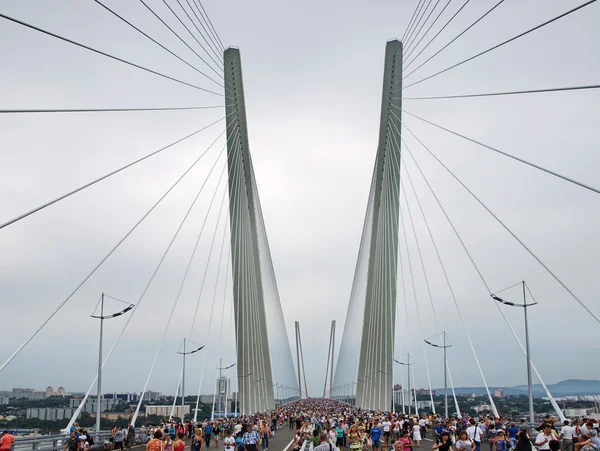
[
  {"x": 408, "y": 365},
  {"x": 524, "y": 305},
  {"x": 183, "y": 354},
  {"x": 101, "y": 317},
  {"x": 444, "y": 346}
]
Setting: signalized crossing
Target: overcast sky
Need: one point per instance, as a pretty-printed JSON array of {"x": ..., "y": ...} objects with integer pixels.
[{"x": 312, "y": 74}]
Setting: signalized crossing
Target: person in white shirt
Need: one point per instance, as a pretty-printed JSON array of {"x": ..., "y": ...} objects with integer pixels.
[
  {"x": 566, "y": 437},
  {"x": 386, "y": 426},
  {"x": 475, "y": 434},
  {"x": 423, "y": 426},
  {"x": 229, "y": 442},
  {"x": 237, "y": 429},
  {"x": 542, "y": 442}
]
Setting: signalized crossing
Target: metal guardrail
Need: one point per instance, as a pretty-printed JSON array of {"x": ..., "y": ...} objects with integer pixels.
[
  {"x": 308, "y": 445},
  {"x": 55, "y": 442}
]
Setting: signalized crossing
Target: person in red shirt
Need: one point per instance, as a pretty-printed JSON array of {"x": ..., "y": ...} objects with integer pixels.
[{"x": 6, "y": 441}]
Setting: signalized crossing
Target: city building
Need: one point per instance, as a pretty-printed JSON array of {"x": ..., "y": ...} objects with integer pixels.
[
  {"x": 408, "y": 397},
  {"x": 50, "y": 413},
  {"x": 152, "y": 395},
  {"x": 113, "y": 416},
  {"x": 423, "y": 392},
  {"x": 499, "y": 393},
  {"x": 482, "y": 408},
  {"x": 4, "y": 400},
  {"x": 90, "y": 405},
  {"x": 206, "y": 399},
  {"x": 124, "y": 397},
  {"x": 223, "y": 385},
  {"x": 61, "y": 392},
  {"x": 424, "y": 404},
  {"x": 28, "y": 393},
  {"x": 165, "y": 411},
  {"x": 574, "y": 413},
  {"x": 49, "y": 391}
]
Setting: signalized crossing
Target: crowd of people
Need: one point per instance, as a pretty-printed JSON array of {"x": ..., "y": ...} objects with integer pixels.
[
  {"x": 244, "y": 433},
  {"x": 330, "y": 425}
]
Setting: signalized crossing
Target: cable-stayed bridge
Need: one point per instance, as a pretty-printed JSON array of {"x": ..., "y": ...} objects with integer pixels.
[{"x": 222, "y": 299}]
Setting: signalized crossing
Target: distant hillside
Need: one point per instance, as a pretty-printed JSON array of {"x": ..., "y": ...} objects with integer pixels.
[{"x": 569, "y": 387}]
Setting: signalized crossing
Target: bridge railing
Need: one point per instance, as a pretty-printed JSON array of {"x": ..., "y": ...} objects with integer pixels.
[{"x": 55, "y": 442}]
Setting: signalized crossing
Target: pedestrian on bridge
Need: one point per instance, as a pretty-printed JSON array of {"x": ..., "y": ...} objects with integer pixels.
[
  {"x": 196, "y": 443},
  {"x": 156, "y": 444},
  {"x": 7, "y": 441},
  {"x": 250, "y": 439},
  {"x": 207, "y": 434},
  {"x": 324, "y": 445}
]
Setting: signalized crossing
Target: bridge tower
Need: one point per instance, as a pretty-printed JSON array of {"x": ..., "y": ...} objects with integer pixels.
[
  {"x": 375, "y": 366},
  {"x": 254, "y": 372},
  {"x": 300, "y": 357},
  {"x": 329, "y": 373}
]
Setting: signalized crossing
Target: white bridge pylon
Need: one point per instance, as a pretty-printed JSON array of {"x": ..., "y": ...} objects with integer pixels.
[
  {"x": 366, "y": 357},
  {"x": 264, "y": 358}
]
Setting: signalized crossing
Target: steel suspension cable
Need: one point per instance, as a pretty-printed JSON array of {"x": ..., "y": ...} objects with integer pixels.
[
  {"x": 417, "y": 22},
  {"x": 410, "y": 22},
  {"x": 105, "y": 110},
  {"x": 405, "y": 57},
  {"x": 217, "y": 54},
  {"x": 175, "y": 395},
  {"x": 140, "y": 300},
  {"x": 209, "y": 22},
  {"x": 219, "y": 347},
  {"x": 218, "y": 72},
  {"x": 514, "y": 38},
  {"x": 414, "y": 38},
  {"x": 236, "y": 145},
  {"x": 100, "y": 52},
  {"x": 528, "y": 163},
  {"x": 420, "y": 254},
  {"x": 194, "y": 318},
  {"x": 415, "y": 299},
  {"x": 180, "y": 38},
  {"x": 373, "y": 373},
  {"x": 506, "y": 93},
  {"x": 271, "y": 269},
  {"x": 347, "y": 332},
  {"x": 214, "y": 46},
  {"x": 114, "y": 13},
  {"x": 392, "y": 258},
  {"x": 407, "y": 323},
  {"x": 261, "y": 233},
  {"x": 436, "y": 35},
  {"x": 116, "y": 171},
  {"x": 556, "y": 407},
  {"x": 561, "y": 283},
  {"x": 62, "y": 304},
  {"x": 419, "y": 323},
  {"x": 456, "y": 406},
  {"x": 187, "y": 270},
  {"x": 452, "y": 41},
  {"x": 459, "y": 311},
  {"x": 164, "y": 335}
]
